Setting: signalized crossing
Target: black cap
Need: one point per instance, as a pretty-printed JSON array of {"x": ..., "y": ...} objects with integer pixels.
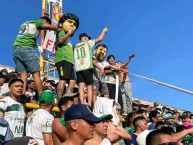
[
  {"x": 46, "y": 18},
  {"x": 80, "y": 111},
  {"x": 84, "y": 34},
  {"x": 143, "y": 105},
  {"x": 164, "y": 107}
]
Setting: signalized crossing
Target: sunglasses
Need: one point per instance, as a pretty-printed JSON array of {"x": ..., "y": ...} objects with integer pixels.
[{"x": 169, "y": 143}]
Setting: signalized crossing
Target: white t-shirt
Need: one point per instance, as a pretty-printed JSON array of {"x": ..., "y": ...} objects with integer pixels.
[
  {"x": 39, "y": 123},
  {"x": 14, "y": 114},
  {"x": 110, "y": 78},
  {"x": 105, "y": 142},
  {"x": 83, "y": 55},
  {"x": 97, "y": 75},
  {"x": 141, "y": 138},
  {"x": 4, "y": 88}
]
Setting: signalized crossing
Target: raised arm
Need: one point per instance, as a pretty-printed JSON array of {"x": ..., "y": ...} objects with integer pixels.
[
  {"x": 50, "y": 27},
  {"x": 123, "y": 133},
  {"x": 102, "y": 35},
  {"x": 65, "y": 38},
  {"x": 128, "y": 60},
  {"x": 179, "y": 135}
]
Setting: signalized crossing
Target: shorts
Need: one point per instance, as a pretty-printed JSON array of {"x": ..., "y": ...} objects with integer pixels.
[
  {"x": 26, "y": 60},
  {"x": 85, "y": 76},
  {"x": 112, "y": 92},
  {"x": 101, "y": 87},
  {"x": 65, "y": 70},
  {"x": 111, "y": 89}
]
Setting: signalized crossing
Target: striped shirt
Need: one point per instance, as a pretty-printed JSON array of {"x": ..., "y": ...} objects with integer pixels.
[{"x": 14, "y": 114}]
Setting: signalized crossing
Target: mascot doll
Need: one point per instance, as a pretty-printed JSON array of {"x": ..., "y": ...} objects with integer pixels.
[
  {"x": 64, "y": 59},
  {"x": 99, "y": 86},
  {"x": 100, "y": 52}
]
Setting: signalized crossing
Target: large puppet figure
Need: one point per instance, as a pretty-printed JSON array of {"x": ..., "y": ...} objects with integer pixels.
[
  {"x": 64, "y": 59},
  {"x": 99, "y": 61}
]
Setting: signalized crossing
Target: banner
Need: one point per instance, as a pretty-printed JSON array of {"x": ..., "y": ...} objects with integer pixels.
[
  {"x": 49, "y": 41},
  {"x": 54, "y": 12}
]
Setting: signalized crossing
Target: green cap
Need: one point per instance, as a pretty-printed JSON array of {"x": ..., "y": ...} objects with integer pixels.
[
  {"x": 46, "y": 97},
  {"x": 168, "y": 116},
  {"x": 187, "y": 138},
  {"x": 106, "y": 117},
  {"x": 103, "y": 116}
]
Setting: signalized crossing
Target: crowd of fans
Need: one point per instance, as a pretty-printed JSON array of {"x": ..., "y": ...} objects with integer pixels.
[
  {"x": 146, "y": 124},
  {"x": 94, "y": 108}
]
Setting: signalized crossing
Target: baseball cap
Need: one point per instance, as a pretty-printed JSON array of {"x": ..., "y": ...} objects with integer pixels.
[
  {"x": 80, "y": 111},
  {"x": 187, "y": 138},
  {"x": 71, "y": 94},
  {"x": 168, "y": 116},
  {"x": 46, "y": 97},
  {"x": 84, "y": 34},
  {"x": 104, "y": 116},
  {"x": 143, "y": 105},
  {"x": 164, "y": 107},
  {"x": 186, "y": 113}
]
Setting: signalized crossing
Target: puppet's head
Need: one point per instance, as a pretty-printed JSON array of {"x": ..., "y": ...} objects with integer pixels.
[
  {"x": 68, "y": 21},
  {"x": 100, "y": 52}
]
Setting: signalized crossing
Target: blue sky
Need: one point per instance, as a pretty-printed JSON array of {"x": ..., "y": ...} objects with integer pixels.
[{"x": 159, "y": 32}]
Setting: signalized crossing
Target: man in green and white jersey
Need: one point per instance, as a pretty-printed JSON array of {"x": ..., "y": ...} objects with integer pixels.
[
  {"x": 24, "y": 54},
  {"x": 84, "y": 63},
  {"x": 12, "y": 110},
  {"x": 39, "y": 124}
]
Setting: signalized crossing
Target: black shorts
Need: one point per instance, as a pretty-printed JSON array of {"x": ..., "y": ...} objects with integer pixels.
[
  {"x": 112, "y": 91},
  {"x": 85, "y": 76},
  {"x": 65, "y": 70}
]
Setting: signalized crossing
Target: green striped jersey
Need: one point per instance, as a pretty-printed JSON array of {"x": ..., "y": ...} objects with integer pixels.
[{"x": 14, "y": 114}]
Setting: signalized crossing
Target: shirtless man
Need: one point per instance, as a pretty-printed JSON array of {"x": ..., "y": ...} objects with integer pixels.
[{"x": 125, "y": 85}]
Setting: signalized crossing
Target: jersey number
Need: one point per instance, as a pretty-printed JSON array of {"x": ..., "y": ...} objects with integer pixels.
[
  {"x": 18, "y": 129},
  {"x": 80, "y": 53}
]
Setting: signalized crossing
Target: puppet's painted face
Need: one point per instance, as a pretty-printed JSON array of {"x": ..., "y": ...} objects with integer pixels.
[
  {"x": 69, "y": 24},
  {"x": 100, "y": 53}
]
